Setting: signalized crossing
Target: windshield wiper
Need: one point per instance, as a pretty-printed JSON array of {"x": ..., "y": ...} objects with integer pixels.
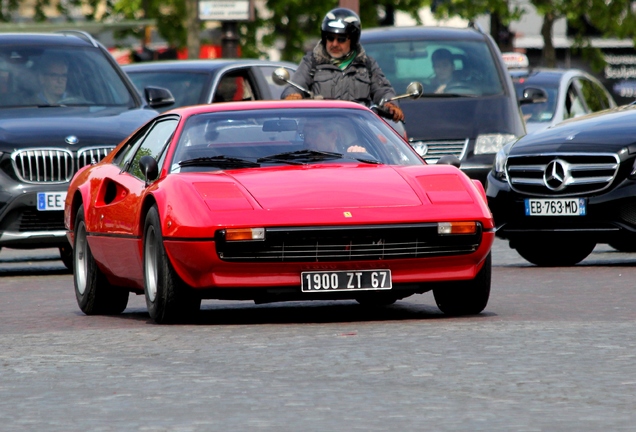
[
  {"x": 370, "y": 159},
  {"x": 300, "y": 157},
  {"x": 220, "y": 162}
]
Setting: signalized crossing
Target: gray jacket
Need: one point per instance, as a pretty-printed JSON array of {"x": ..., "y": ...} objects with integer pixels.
[{"x": 362, "y": 81}]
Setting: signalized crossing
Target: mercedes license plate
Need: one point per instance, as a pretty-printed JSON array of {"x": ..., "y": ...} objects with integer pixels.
[
  {"x": 51, "y": 200},
  {"x": 555, "y": 207},
  {"x": 349, "y": 280}
]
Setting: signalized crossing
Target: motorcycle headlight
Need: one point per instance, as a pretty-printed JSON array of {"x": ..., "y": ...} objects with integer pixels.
[
  {"x": 491, "y": 143},
  {"x": 501, "y": 158}
]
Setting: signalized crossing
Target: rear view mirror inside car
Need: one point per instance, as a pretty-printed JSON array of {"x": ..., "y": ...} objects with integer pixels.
[{"x": 280, "y": 125}]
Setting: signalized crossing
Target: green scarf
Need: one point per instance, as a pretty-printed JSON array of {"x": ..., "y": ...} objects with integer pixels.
[{"x": 344, "y": 62}]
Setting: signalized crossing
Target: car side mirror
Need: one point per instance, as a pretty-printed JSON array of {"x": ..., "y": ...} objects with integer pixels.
[
  {"x": 533, "y": 95},
  {"x": 149, "y": 168},
  {"x": 158, "y": 97},
  {"x": 449, "y": 160}
]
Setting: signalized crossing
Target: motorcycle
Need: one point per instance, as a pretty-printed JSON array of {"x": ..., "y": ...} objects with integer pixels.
[{"x": 414, "y": 90}]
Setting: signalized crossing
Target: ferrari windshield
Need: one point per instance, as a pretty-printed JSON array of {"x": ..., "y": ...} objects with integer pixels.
[{"x": 288, "y": 137}]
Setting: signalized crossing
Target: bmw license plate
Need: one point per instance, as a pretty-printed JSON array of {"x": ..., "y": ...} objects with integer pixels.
[
  {"x": 51, "y": 200},
  {"x": 556, "y": 207},
  {"x": 349, "y": 280}
]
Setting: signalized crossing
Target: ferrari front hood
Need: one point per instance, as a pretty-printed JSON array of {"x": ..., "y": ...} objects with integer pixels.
[{"x": 332, "y": 186}]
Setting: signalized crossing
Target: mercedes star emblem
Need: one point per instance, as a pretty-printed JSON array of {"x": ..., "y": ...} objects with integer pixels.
[{"x": 556, "y": 175}]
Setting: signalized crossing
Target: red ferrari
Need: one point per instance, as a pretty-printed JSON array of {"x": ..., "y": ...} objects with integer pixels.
[{"x": 274, "y": 201}]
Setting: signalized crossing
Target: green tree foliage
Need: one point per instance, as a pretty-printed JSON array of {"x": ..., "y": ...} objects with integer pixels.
[
  {"x": 170, "y": 16},
  {"x": 294, "y": 25},
  {"x": 7, "y": 9}
]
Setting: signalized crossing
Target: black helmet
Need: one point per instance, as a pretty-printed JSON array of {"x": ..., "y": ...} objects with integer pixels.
[{"x": 342, "y": 21}]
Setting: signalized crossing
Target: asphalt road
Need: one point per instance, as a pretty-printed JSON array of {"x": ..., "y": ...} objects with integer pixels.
[{"x": 555, "y": 350}]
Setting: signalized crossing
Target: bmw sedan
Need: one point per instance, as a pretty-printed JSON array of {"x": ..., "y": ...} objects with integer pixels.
[
  {"x": 64, "y": 104},
  {"x": 555, "y": 194}
]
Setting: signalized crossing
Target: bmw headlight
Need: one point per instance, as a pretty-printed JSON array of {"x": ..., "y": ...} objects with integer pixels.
[
  {"x": 500, "y": 161},
  {"x": 491, "y": 143}
]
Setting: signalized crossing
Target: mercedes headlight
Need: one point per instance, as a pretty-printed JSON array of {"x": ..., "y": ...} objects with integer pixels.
[
  {"x": 492, "y": 143},
  {"x": 500, "y": 161}
]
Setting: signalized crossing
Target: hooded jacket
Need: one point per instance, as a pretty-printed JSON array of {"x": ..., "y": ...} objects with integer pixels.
[{"x": 362, "y": 81}]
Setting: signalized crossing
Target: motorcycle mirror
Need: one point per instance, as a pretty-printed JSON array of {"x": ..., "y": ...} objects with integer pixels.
[
  {"x": 415, "y": 90},
  {"x": 280, "y": 76}
]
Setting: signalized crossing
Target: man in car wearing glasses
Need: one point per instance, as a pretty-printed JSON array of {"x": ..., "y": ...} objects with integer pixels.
[
  {"x": 338, "y": 67},
  {"x": 52, "y": 76}
]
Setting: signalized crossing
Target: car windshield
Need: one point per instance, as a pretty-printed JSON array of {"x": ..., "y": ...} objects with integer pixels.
[
  {"x": 538, "y": 112},
  {"x": 259, "y": 138},
  {"x": 445, "y": 68},
  {"x": 186, "y": 87},
  {"x": 59, "y": 76}
]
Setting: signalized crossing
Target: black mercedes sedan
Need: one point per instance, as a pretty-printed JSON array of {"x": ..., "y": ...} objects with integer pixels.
[
  {"x": 195, "y": 82},
  {"x": 557, "y": 193},
  {"x": 64, "y": 104}
]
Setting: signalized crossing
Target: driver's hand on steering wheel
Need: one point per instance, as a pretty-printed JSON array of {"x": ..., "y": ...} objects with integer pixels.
[{"x": 356, "y": 149}]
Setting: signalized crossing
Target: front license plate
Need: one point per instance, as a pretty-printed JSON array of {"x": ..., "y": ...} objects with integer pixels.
[
  {"x": 51, "y": 200},
  {"x": 555, "y": 207},
  {"x": 354, "y": 280}
]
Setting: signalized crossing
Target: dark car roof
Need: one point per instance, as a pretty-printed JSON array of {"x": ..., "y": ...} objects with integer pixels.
[
  {"x": 199, "y": 65},
  {"x": 34, "y": 39},
  {"x": 611, "y": 129},
  {"x": 383, "y": 34}
]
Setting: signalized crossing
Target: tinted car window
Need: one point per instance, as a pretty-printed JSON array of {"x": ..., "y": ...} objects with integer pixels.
[
  {"x": 403, "y": 62},
  {"x": 590, "y": 95},
  {"x": 186, "y": 87},
  {"x": 153, "y": 143},
  {"x": 574, "y": 106},
  {"x": 89, "y": 78},
  {"x": 234, "y": 86},
  {"x": 275, "y": 89},
  {"x": 539, "y": 112}
]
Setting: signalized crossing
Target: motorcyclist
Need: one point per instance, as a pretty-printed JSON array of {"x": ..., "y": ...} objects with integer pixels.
[{"x": 339, "y": 68}]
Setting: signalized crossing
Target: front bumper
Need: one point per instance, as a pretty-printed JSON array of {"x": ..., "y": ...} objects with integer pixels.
[
  {"x": 199, "y": 265},
  {"x": 23, "y": 226},
  {"x": 610, "y": 215}
]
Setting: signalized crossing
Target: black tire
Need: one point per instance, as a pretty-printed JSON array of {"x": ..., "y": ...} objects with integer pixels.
[
  {"x": 466, "y": 297},
  {"x": 545, "y": 254},
  {"x": 66, "y": 255},
  {"x": 624, "y": 245},
  {"x": 95, "y": 296},
  {"x": 168, "y": 298}
]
